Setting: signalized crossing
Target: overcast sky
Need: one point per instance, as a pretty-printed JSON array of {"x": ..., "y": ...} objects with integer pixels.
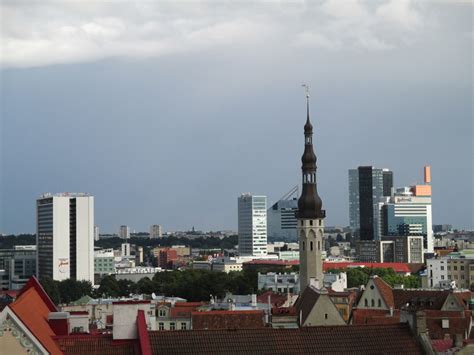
[{"x": 167, "y": 112}]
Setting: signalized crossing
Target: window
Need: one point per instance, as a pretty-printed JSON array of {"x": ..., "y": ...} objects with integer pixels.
[
  {"x": 366, "y": 303},
  {"x": 442, "y": 268},
  {"x": 303, "y": 246},
  {"x": 172, "y": 326},
  {"x": 319, "y": 245},
  {"x": 372, "y": 302},
  {"x": 325, "y": 316},
  {"x": 380, "y": 303},
  {"x": 311, "y": 246},
  {"x": 310, "y": 222},
  {"x": 161, "y": 326},
  {"x": 462, "y": 267},
  {"x": 162, "y": 313},
  {"x": 183, "y": 326},
  {"x": 442, "y": 277},
  {"x": 320, "y": 223},
  {"x": 455, "y": 267}
]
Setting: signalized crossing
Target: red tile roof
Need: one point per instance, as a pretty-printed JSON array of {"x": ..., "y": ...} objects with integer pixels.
[
  {"x": 441, "y": 345},
  {"x": 181, "y": 312},
  {"x": 347, "y": 339},
  {"x": 397, "y": 267},
  {"x": 142, "y": 333},
  {"x": 227, "y": 320},
  {"x": 273, "y": 262},
  {"x": 385, "y": 291},
  {"x": 97, "y": 344},
  {"x": 459, "y": 323},
  {"x": 374, "y": 316},
  {"x": 276, "y": 299},
  {"x": 32, "y": 307},
  {"x": 189, "y": 304},
  {"x": 419, "y": 298}
]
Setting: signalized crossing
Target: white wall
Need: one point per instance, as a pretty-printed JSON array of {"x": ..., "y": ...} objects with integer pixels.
[
  {"x": 85, "y": 238},
  {"x": 61, "y": 260}
]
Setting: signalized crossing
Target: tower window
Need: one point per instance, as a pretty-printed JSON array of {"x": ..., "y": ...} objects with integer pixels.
[
  {"x": 303, "y": 246},
  {"x": 311, "y": 222},
  {"x": 380, "y": 303},
  {"x": 311, "y": 246},
  {"x": 325, "y": 316},
  {"x": 319, "y": 245},
  {"x": 320, "y": 223}
]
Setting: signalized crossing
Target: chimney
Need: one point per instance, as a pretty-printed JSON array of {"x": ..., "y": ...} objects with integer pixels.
[
  {"x": 254, "y": 300},
  {"x": 427, "y": 174},
  {"x": 421, "y": 322},
  {"x": 59, "y": 322}
]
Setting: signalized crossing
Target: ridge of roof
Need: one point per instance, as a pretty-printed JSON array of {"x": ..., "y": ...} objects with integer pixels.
[{"x": 33, "y": 282}]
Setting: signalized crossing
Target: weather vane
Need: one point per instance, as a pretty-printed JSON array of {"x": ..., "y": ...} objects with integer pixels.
[{"x": 306, "y": 87}]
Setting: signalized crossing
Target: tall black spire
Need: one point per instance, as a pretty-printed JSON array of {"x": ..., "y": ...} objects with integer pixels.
[{"x": 309, "y": 203}]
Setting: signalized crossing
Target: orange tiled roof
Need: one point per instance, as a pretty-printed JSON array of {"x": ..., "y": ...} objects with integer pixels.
[
  {"x": 228, "y": 319},
  {"x": 31, "y": 309},
  {"x": 385, "y": 291}
]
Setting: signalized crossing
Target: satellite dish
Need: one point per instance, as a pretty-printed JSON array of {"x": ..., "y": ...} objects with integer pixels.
[{"x": 153, "y": 296}]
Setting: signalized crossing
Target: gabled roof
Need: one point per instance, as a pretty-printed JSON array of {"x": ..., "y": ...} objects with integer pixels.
[
  {"x": 385, "y": 290},
  {"x": 32, "y": 307},
  {"x": 419, "y": 299},
  {"x": 306, "y": 301},
  {"x": 459, "y": 323},
  {"x": 344, "y": 339}
]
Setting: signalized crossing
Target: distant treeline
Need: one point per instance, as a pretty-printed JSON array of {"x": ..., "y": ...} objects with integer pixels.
[
  {"x": 9, "y": 241},
  {"x": 197, "y": 243}
]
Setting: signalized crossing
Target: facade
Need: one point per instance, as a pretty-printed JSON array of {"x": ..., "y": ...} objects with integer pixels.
[
  {"x": 367, "y": 187},
  {"x": 252, "y": 222},
  {"x": 279, "y": 282},
  {"x": 65, "y": 236},
  {"x": 104, "y": 262},
  {"x": 408, "y": 214},
  {"x": 437, "y": 269},
  {"x": 226, "y": 264},
  {"x": 281, "y": 219},
  {"x": 310, "y": 215},
  {"x": 396, "y": 249},
  {"x": 124, "y": 232},
  {"x": 156, "y": 231},
  {"x": 17, "y": 265}
]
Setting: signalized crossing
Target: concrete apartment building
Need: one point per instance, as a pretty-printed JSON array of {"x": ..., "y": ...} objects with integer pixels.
[
  {"x": 156, "y": 231},
  {"x": 65, "y": 236},
  {"x": 457, "y": 269}
]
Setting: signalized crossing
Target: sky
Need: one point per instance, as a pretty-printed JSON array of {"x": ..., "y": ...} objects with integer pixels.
[{"x": 166, "y": 112}]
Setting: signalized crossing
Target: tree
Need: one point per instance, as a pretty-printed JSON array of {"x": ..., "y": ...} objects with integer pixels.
[
  {"x": 52, "y": 289},
  {"x": 71, "y": 290},
  {"x": 109, "y": 287}
]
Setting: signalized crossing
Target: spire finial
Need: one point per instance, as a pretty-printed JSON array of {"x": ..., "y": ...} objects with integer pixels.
[{"x": 306, "y": 87}]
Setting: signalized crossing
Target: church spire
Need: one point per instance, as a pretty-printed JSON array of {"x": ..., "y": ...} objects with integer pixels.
[{"x": 309, "y": 203}]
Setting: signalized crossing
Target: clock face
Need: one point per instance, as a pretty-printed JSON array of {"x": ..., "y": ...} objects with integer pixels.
[{"x": 63, "y": 265}]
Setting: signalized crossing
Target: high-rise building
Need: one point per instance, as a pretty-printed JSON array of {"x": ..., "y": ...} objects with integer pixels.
[
  {"x": 17, "y": 265},
  {"x": 310, "y": 215},
  {"x": 281, "y": 217},
  {"x": 124, "y": 232},
  {"x": 408, "y": 213},
  {"x": 96, "y": 233},
  {"x": 368, "y": 186},
  {"x": 252, "y": 224},
  {"x": 156, "y": 231},
  {"x": 65, "y": 236}
]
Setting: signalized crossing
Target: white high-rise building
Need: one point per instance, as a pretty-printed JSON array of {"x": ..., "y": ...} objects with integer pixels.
[
  {"x": 65, "y": 236},
  {"x": 96, "y": 233},
  {"x": 252, "y": 225},
  {"x": 124, "y": 232},
  {"x": 156, "y": 231}
]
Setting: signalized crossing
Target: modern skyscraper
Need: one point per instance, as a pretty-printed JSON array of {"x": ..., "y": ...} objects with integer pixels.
[
  {"x": 124, "y": 232},
  {"x": 65, "y": 236},
  {"x": 156, "y": 231},
  {"x": 281, "y": 218},
  {"x": 368, "y": 186},
  {"x": 252, "y": 225},
  {"x": 310, "y": 215}
]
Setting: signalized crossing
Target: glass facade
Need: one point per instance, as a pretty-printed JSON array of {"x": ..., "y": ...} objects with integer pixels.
[{"x": 252, "y": 224}]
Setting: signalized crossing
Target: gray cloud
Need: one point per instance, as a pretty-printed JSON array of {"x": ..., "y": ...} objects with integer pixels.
[{"x": 56, "y": 32}]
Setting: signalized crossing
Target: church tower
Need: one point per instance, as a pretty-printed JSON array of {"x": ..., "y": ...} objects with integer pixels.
[{"x": 310, "y": 215}]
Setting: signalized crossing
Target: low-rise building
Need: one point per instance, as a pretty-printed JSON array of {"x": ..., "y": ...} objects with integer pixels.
[
  {"x": 17, "y": 265},
  {"x": 104, "y": 263},
  {"x": 396, "y": 249}
]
